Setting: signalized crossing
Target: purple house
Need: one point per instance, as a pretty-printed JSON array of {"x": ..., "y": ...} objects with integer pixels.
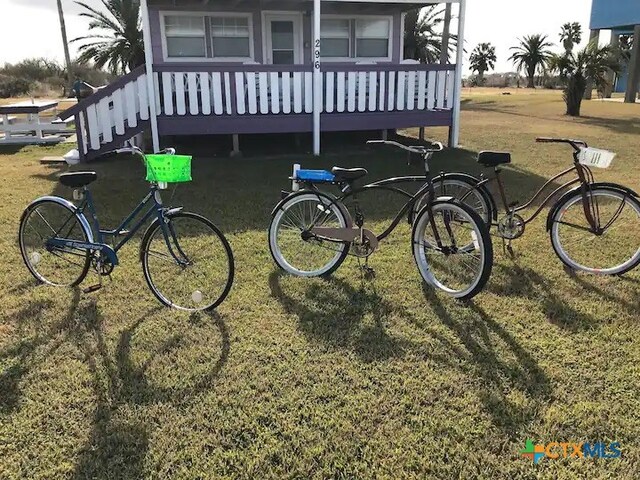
[{"x": 266, "y": 66}]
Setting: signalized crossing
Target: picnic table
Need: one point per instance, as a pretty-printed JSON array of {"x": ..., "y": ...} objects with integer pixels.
[{"x": 34, "y": 129}]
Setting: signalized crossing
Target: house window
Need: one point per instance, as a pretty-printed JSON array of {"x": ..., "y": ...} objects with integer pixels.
[
  {"x": 185, "y": 36},
  {"x": 230, "y": 37},
  {"x": 372, "y": 38},
  {"x": 354, "y": 38},
  {"x": 335, "y": 35}
]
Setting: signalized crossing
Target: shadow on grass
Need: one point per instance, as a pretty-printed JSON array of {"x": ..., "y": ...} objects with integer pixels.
[
  {"x": 501, "y": 380},
  {"x": 239, "y": 194},
  {"x": 334, "y": 312},
  {"x": 31, "y": 350},
  {"x": 527, "y": 283},
  {"x": 117, "y": 446}
]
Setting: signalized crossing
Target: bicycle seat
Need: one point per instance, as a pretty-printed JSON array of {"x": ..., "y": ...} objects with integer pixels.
[
  {"x": 348, "y": 174},
  {"x": 78, "y": 179},
  {"x": 493, "y": 159}
]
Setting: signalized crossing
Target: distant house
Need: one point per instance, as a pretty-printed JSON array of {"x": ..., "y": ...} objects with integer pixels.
[
  {"x": 622, "y": 17},
  {"x": 267, "y": 66}
]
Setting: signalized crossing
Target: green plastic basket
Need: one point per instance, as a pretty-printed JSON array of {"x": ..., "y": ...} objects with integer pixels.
[{"x": 168, "y": 168}]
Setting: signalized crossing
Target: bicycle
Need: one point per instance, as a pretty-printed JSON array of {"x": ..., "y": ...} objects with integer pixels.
[
  {"x": 594, "y": 227},
  {"x": 186, "y": 261},
  {"x": 312, "y": 232}
]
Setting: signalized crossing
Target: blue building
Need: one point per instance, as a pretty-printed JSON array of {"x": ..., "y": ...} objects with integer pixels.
[{"x": 622, "y": 17}]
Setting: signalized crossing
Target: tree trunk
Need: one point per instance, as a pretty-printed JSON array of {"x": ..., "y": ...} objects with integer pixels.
[
  {"x": 531, "y": 74},
  {"x": 573, "y": 94}
]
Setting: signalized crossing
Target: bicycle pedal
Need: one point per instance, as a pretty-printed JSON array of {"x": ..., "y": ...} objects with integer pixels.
[{"x": 92, "y": 288}]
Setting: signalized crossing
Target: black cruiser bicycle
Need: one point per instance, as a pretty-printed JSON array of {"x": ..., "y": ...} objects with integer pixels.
[{"x": 312, "y": 231}]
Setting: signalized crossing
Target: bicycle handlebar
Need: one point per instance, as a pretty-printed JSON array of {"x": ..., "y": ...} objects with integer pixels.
[
  {"x": 576, "y": 144},
  {"x": 410, "y": 148}
]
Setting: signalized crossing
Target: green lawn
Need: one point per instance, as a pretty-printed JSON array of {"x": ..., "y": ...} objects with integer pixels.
[{"x": 299, "y": 378}]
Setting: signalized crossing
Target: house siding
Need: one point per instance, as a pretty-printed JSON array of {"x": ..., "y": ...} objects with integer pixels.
[{"x": 395, "y": 11}]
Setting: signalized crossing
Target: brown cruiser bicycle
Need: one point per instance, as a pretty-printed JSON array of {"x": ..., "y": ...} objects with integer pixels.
[{"x": 594, "y": 226}]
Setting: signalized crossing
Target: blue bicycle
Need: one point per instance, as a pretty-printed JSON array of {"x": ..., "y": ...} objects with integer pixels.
[{"x": 187, "y": 262}]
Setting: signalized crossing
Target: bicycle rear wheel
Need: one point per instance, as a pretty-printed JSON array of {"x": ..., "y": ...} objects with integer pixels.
[
  {"x": 614, "y": 250},
  {"x": 452, "y": 248},
  {"x": 192, "y": 270},
  {"x": 307, "y": 257},
  {"x": 58, "y": 266}
]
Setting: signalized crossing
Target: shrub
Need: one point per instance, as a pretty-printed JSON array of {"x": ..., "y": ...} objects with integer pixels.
[{"x": 14, "y": 87}]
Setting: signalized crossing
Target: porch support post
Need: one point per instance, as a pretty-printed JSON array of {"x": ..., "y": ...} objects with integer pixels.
[
  {"x": 634, "y": 68},
  {"x": 454, "y": 131},
  {"x": 317, "y": 78},
  {"x": 148, "y": 56}
]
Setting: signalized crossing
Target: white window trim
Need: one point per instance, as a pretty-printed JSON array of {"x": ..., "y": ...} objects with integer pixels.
[
  {"x": 352, "y": 41},
  {"x": 205, "y": 15}
]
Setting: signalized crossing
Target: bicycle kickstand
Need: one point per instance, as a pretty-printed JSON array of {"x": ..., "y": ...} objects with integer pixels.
[
  {"x": 507, "y": 248},
  {"x": 368, "y": 273}
]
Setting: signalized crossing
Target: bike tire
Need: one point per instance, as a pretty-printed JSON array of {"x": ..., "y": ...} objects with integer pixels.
[
  {"x": 482, "y": 239},
  {"x": 69, "y": 212},
  {"x": 225, "y": 280},
  {"x": 280, "y": 259},
  {"x": 564, "y": 206}
]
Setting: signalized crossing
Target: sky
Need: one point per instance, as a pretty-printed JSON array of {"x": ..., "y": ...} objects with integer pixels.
[{"x": 499, "y": 22}]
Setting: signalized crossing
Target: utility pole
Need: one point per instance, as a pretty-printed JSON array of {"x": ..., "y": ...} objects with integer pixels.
[{"x": 65, "y": 44}]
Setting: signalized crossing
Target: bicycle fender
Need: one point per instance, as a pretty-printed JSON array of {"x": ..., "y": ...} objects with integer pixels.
[
  {"x": 152, "y": 225},
  {"x": 611, "y": 186},
  {"x": 66, "y": 203},
  {"x": 475, "y": 181},
  {"x": 330, "y": 199}
]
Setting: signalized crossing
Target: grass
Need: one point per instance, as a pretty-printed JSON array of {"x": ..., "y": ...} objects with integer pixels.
[{"x": 299, "y": 378}]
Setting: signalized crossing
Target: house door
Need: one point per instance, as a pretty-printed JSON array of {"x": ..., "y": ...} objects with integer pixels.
[{"x": 283, "y": 38}]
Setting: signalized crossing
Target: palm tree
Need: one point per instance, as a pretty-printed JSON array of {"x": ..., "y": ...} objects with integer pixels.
[
  {"x": 570, "y": 35},
  {"x": 576, "y": 71},
  {"x": 119, "y": 44},
  {"x": 531, "y": 55},
  {"x": 482, "y": 59},
  {"x": 422, "y": 38}
]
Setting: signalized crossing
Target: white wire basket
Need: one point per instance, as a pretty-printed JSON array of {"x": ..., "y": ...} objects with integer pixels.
[{"x": 595, "y": 157}]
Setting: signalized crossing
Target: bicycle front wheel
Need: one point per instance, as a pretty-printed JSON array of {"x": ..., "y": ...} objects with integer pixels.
[
  {"x": 452, "y": 248},
  {"x": 54, "y": 265},
  {"x": 613, "y": 246},
  {"x": 189, "y": 264}
]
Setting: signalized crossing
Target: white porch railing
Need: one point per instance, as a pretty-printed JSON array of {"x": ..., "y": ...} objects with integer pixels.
[
  {"x": 277, "y": 89},
  {"x": 112, "y": 114}
]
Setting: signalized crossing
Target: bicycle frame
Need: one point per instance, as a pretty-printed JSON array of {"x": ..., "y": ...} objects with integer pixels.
[
  {"x": 583, "y": 174},
  {"x": 111, "y": 252},
  {"x": 385, "y": 184}
]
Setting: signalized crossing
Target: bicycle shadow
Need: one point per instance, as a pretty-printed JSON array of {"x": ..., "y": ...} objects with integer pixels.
[
  {"x": 477, "y": 338},
  {"x": 117, "y": 443},
  {"x": 334, "y": 312},
  {"x": 31, "y": 350},
  {"x": 524, "y": 282}
]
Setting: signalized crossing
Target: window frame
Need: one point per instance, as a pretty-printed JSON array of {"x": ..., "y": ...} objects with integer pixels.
[
  {"x": 352, "y": 38},
  {"x": 208, "y": 36}
]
